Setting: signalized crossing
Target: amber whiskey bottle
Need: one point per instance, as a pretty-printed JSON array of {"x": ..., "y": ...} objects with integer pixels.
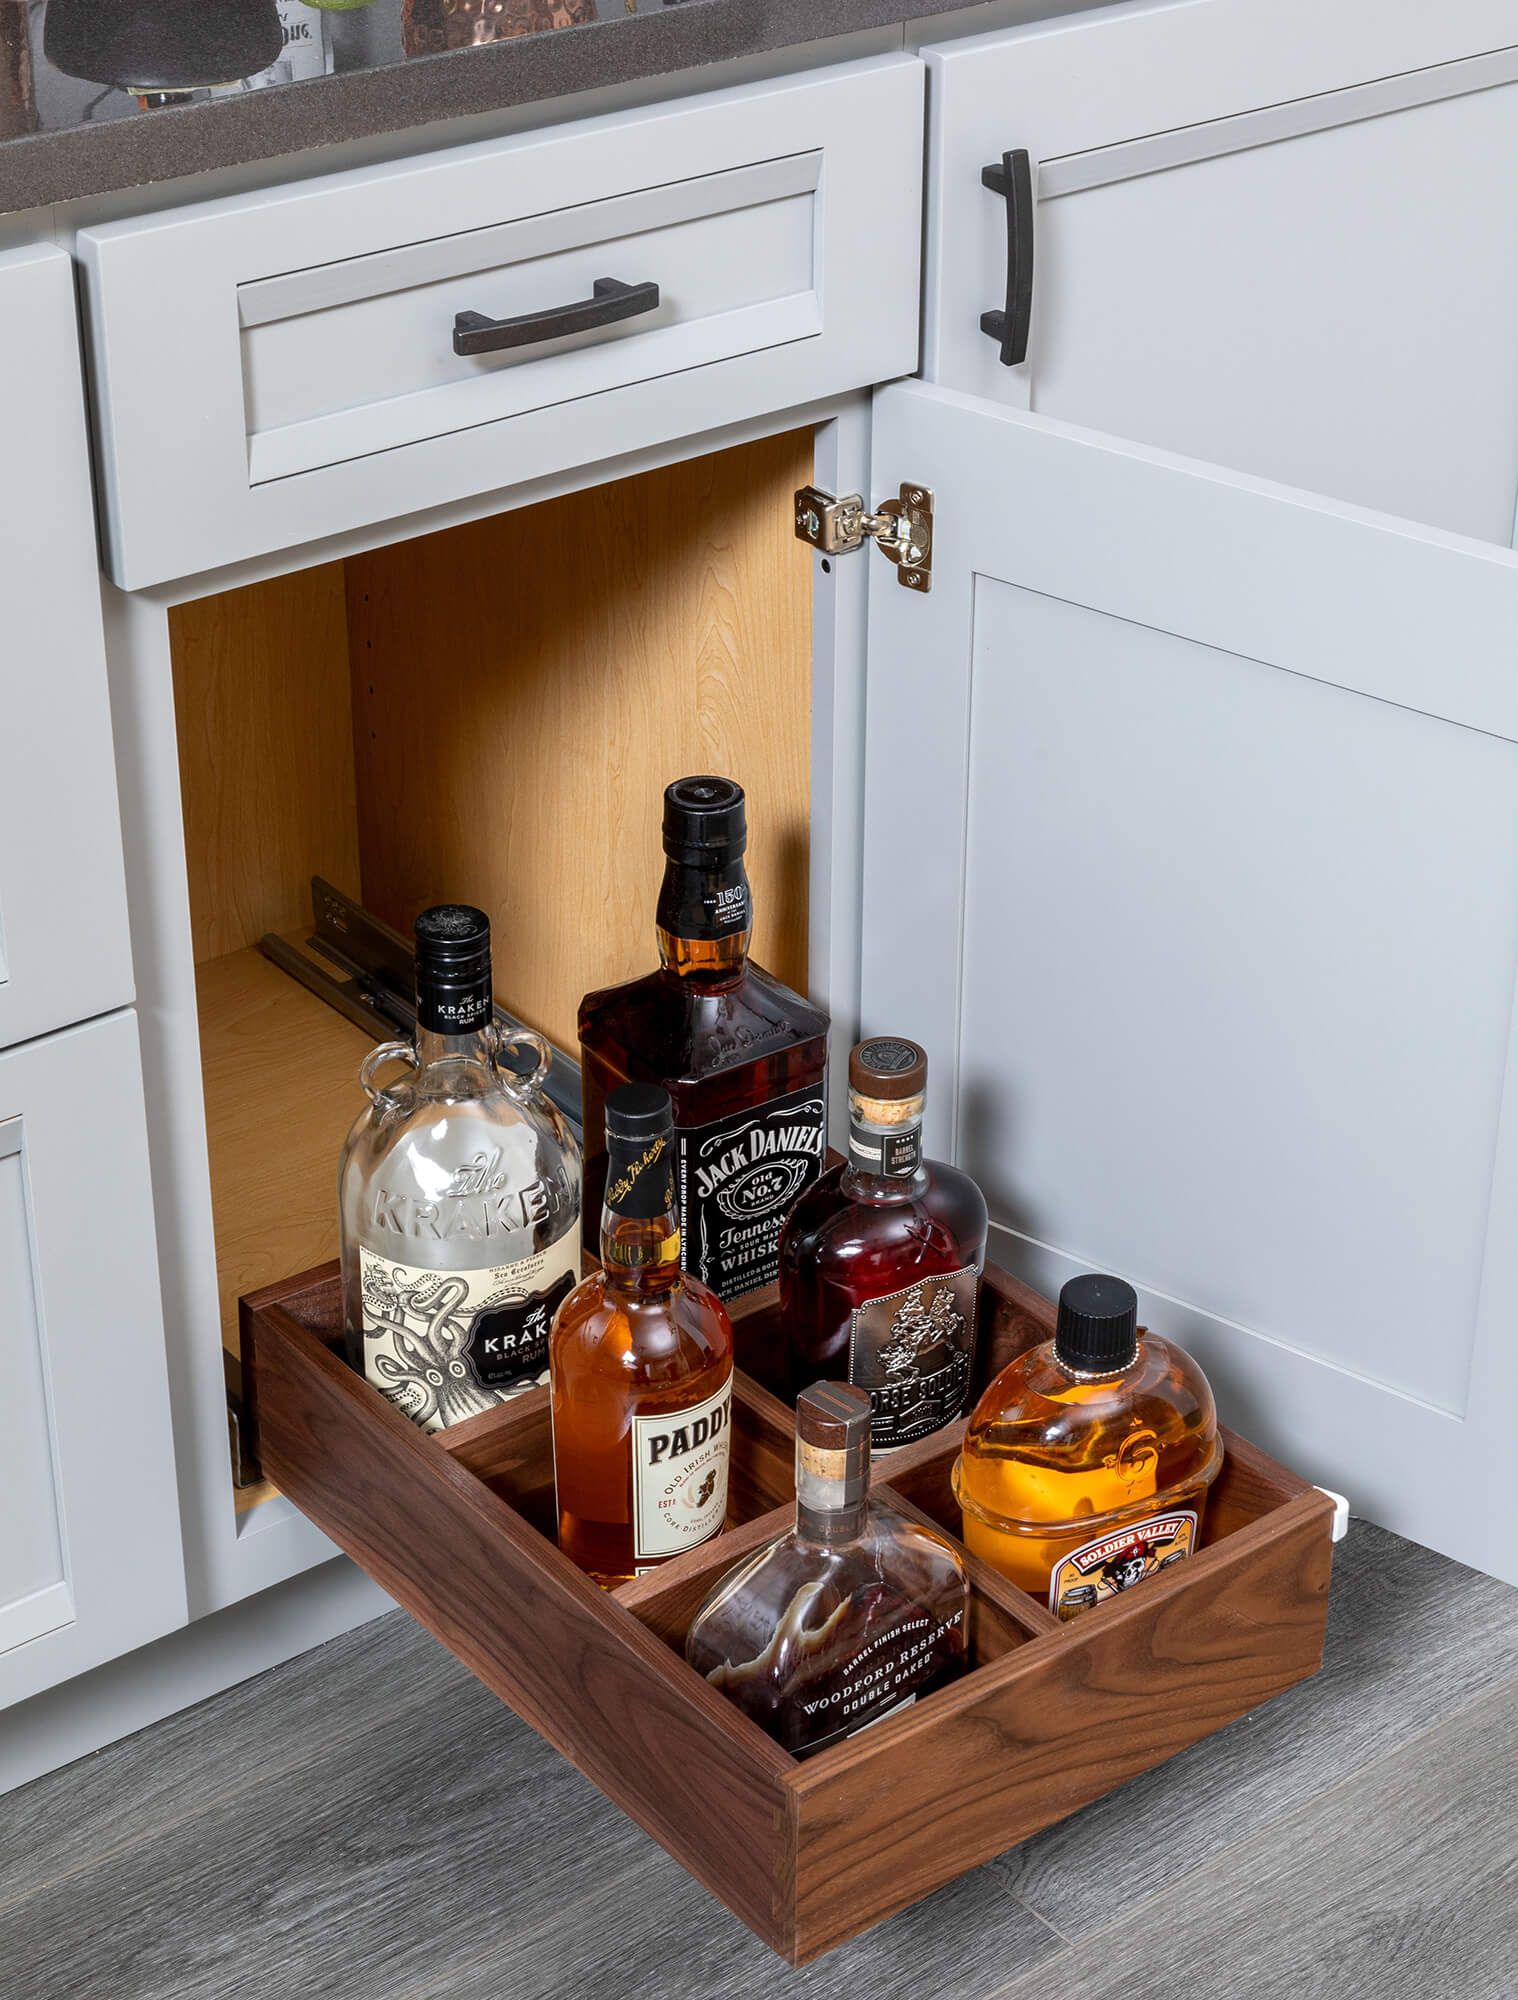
[
  {"x": 880, "y": 1262},
  {"x": 1086, "y": 1463},
  {"x": 641, "y": 1370},
  {"x": 852, "y": 1614},
  {"x": 743, "y": 1058}
]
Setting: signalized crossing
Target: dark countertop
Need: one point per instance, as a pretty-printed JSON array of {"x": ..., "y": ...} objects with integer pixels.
[{"x": 66, "y": 138}]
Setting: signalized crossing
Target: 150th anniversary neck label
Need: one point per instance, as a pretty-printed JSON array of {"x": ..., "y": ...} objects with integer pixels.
[{"x": 738, "y": 1179}]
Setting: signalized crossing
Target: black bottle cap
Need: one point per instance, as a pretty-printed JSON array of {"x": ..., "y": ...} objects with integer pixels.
[
  {"x": 162, "y": 45},
  {"x": 453, "y": 995},
  {"x": 705, "y": 822},
  {"x": 1097, "y": 1329},
  {"x": 638, "y": 1112}
]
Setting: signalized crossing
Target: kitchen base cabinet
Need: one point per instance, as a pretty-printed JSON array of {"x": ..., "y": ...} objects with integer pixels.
[
  {"x": 1210, "y": 928},
  {"x": 90, "y": 1561}
]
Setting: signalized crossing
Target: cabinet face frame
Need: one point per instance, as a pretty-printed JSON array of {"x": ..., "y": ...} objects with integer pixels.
[
  {"x": 73, "y": 1144},
  {"x": 1117, "y": 99},
  {"x": 229, "y": 1556}
]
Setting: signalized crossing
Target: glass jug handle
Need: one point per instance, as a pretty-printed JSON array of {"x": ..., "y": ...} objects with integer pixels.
[
  {"x": 522, "y": 1087},
  {"x": 387, "y": 1052}
]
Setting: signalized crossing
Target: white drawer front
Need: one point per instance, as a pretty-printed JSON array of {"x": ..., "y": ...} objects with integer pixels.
[
  {"x": 288, "y": 358},
  {"x": 64, "y": 951}
]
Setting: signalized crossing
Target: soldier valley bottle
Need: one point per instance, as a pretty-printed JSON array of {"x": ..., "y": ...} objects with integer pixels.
[
  {"x": 1086, "y": 1464},
  {"x": 459, "y": 1198},
  {"x": 642, "y": 1369},
  {"x": 742, "y": 1057},
  {"x": 852, "y": 1614},
  {"x": 880, "y": 1262}
]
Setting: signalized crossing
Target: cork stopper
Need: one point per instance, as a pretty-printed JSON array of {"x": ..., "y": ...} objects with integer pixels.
[
  {"x": 888, "y": 1080},
  {"x": 832, "y": 1447}
]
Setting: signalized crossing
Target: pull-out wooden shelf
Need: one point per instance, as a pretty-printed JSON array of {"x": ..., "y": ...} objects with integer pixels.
[{"x": 459, "y": 1527}]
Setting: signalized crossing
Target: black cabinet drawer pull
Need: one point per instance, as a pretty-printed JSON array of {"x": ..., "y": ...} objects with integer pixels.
[
  {"x": 609, "y": 300},
  {"x": 1013, "y": 179}
]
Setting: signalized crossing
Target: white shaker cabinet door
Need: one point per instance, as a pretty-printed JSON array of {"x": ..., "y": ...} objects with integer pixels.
[
  {"x": 1278, "y": 235},
  {"x": 1191, "y": 855},
  {"x": 64, "y": 952},
  {"x": 90, "y": 1562}
]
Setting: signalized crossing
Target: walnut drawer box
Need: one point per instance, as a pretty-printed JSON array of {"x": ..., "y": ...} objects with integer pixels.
[{"x": 458, "y": 1527}]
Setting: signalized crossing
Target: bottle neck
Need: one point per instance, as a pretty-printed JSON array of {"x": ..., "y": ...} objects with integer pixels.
[
  {"x": 832, "y": 1493},
  {"x": 640, "y": 1225},
  {"x": 885, "y": 1158},
  {"x": 433, "y": 1045},
  {"x": 705, "y": 919}
]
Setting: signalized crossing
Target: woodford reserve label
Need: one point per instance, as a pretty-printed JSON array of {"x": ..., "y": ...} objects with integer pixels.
[
  {"x": 910, "y": 1352},
  {"x": 445, "y": 1345},
  {"x": 738, "y": 1179},
  {"x": 680, "y": 1475}
]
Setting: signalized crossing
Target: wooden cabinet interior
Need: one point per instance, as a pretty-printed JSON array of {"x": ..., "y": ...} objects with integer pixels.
[{"x": 488, "y": 714}]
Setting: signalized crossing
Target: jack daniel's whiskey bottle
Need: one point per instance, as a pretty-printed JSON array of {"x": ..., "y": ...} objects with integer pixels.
[
  {"x": 852, "y": 1614},
  {"x": 459, "y": 1196},
  {"x": 642, "y": 1370},
  {"x": 880, "y": 1262},
  {"x": 742, "y": 1057}
]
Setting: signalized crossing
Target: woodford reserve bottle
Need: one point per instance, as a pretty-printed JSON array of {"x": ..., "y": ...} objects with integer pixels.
[
  {"x": 642, "y": 1369},
  {"x": 743, "y": 1058},
  {"x": 458, "y": 1196},
  {"x": 852, "y": 1614},
  {"x": 880, "y": 1262}
]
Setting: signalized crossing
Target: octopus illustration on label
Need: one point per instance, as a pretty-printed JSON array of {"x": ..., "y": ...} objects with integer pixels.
[
  {"x": 1100, "y": 1569},
  {"x": 445, "y": 1345}
]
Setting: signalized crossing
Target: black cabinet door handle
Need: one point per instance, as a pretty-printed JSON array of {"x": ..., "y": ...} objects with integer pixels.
[
  {"x": 1012, "y": 178},
  {"x": 609, "y": 300}
]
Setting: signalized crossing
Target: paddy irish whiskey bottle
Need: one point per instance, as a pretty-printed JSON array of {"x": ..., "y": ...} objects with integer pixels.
[
  {"x": 880, "y": 1262},
  {"x": 742, "y": 1057},
  {"x": 641, "y": 1368}
]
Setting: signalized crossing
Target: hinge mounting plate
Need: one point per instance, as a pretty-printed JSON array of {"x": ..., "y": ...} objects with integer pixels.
[{"x": 902, "y": 530}]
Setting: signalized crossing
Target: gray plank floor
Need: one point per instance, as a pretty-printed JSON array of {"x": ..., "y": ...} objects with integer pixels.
[{"x": 366, "y": 1823}]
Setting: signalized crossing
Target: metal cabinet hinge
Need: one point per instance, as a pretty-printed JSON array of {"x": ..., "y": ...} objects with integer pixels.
[{"x": 903, "y": 529}]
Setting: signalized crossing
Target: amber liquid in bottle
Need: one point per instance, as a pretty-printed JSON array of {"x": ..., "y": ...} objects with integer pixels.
[
  {"x": 641, "y": 1372},
  {"x": 743, "y": 1058},
  {"x": 880, "y": 1262},
  {"x": 1085, "y": 1471},
  {"x": 851, "y": 1614}
]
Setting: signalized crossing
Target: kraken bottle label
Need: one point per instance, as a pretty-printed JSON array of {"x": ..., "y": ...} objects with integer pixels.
[
  {"x": 445, "y": 1345},
  {"x": 1100, "y": 1569},
  {"x": 910, "y": 1352},
  {"x": 738, "y": 1179},
  {"x": 680, "y": 1462}
]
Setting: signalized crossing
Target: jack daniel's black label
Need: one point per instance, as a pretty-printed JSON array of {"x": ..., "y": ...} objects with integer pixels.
[
  {"x": 910, "y": 1352},
  {"x": 738, "y": 1179}
]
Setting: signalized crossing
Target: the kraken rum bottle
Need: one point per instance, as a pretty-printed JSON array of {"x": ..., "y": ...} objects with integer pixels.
[
  {"x": 852, "y": 1614},
  {"x": 742, "y": 1057},
  {"x": 880, "y": 1262},
  {"x": 459, "y": 1198},
  {"x": 642, "y": 1370}
]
